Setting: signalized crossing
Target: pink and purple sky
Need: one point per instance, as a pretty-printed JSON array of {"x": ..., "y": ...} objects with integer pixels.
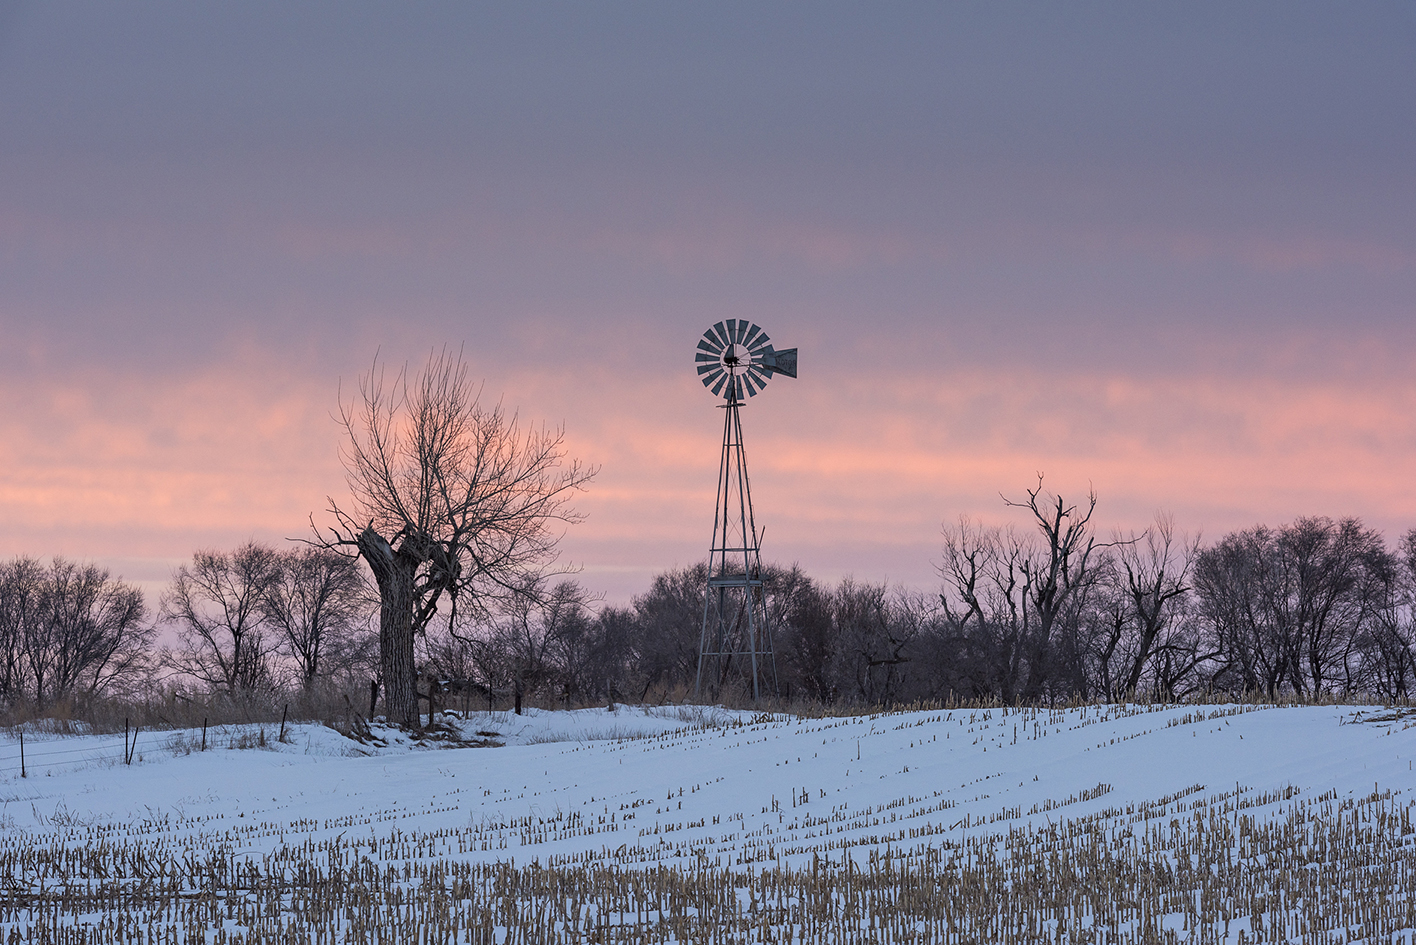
[{"x": 1165, "y": 250}]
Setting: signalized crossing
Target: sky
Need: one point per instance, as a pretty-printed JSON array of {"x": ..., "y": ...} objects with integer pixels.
[{"x": 1164, "y": 251}]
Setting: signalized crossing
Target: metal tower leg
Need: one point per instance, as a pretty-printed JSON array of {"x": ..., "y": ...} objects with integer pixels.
[{"x": 735, "y": 623}]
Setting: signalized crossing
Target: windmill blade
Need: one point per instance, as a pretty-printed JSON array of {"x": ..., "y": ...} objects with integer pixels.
[
  {"x": 707, "y": 368},
  {"x": 750, "y": 384},
  {"x": 723, "y": 334},
  {"x": 702, "y": 356},
  {"x": 758, "y": 375},
  {"x": 710, "y": 343},
  {"x": 718, "y": 387},
  {"x": 753, "y": 332}
]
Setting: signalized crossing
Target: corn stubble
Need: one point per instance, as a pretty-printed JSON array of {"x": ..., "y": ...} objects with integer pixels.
[{"x": 1277, "y": 867}]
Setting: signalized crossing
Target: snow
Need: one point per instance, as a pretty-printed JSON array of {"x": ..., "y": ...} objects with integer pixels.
[
  {"x": 640, "y": 787},
  {"x": 743, "y": 777}
]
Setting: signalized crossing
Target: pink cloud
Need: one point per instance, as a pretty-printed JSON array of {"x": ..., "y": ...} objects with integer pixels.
[
  {"x": 117, "y": 466},
  {"x": 234, "y": 450}
]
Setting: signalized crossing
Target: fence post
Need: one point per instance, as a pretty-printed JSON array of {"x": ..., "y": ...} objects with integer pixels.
[
  {"x": 204, "y": 724},
  {"x": 23, "y": 773},
  {"x": 283, "y": 713}
]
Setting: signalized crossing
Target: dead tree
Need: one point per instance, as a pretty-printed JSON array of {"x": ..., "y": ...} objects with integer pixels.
[
  {"x": 1056, "y": 576},
  {"x": 450, "y": 500},
  {"x": 986, "y": 597}
]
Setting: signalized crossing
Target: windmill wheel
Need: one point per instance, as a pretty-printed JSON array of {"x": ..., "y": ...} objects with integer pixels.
[{"x": 735, "y": 359}]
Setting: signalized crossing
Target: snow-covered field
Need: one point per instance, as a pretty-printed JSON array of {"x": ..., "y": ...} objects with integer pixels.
[{"x": 1280, "y": 816}]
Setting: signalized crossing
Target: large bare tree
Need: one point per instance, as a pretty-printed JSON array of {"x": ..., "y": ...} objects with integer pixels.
[
  {"x": 450, "y": 500},
  {"x": 1018, "y": 607}
]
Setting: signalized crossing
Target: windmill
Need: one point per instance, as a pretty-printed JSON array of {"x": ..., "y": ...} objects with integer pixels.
[{"x": 735, "y": 359}]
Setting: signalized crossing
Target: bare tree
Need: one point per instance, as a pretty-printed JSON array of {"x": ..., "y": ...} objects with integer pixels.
[
  {"x": 218, "y": 603},
  {"x": 580, "y": 647},
  {"x": 987, "y": 600},
  {"x": 450, "y": 500},
  {"x": 67, "y": 629},
  {"x": 1152, "y": 572},
  {"x": 316, "y": 601},
  {"x": 1291, "y": 607},
  {"x": 94, "y": 631},
  {"x": 1330, "y": 595},
  {"x": 40, "y": 643},
  {"x": 21, "y": 591},
  {"x": 805, "y": 634},
  {"x": 610, "y": 668},
  {"x": 450, "y": 657},
  {"x": 1385, "y": 663},
  {"x": 1056, "y": 576},
  {"x": 873, "y": 648},
  {"x": 540, "y": 632},
  {"x": 1230, "y": 581},
  {"x": 670, "y": 625},
  {"x": 1019, "y": 615},
  {"x": 490, "y": 665}
]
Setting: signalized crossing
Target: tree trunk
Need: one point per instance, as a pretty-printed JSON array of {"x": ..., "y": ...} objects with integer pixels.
[
  {"x": 1151, "y": 624},
  {"x": 400, "y": 678},
  {"x": 394, "y": 572}
]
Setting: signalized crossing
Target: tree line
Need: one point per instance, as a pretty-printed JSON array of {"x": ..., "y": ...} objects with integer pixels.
[
  {"x": 67, "y": 629},
  {"x": 1313, "y": 609},
  {"x": 253, "y": 619},
  {"x": 1043, "y": 611}
]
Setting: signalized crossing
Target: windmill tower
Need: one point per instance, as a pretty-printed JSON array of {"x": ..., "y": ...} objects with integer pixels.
[{"x": 735, "y": 359}]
